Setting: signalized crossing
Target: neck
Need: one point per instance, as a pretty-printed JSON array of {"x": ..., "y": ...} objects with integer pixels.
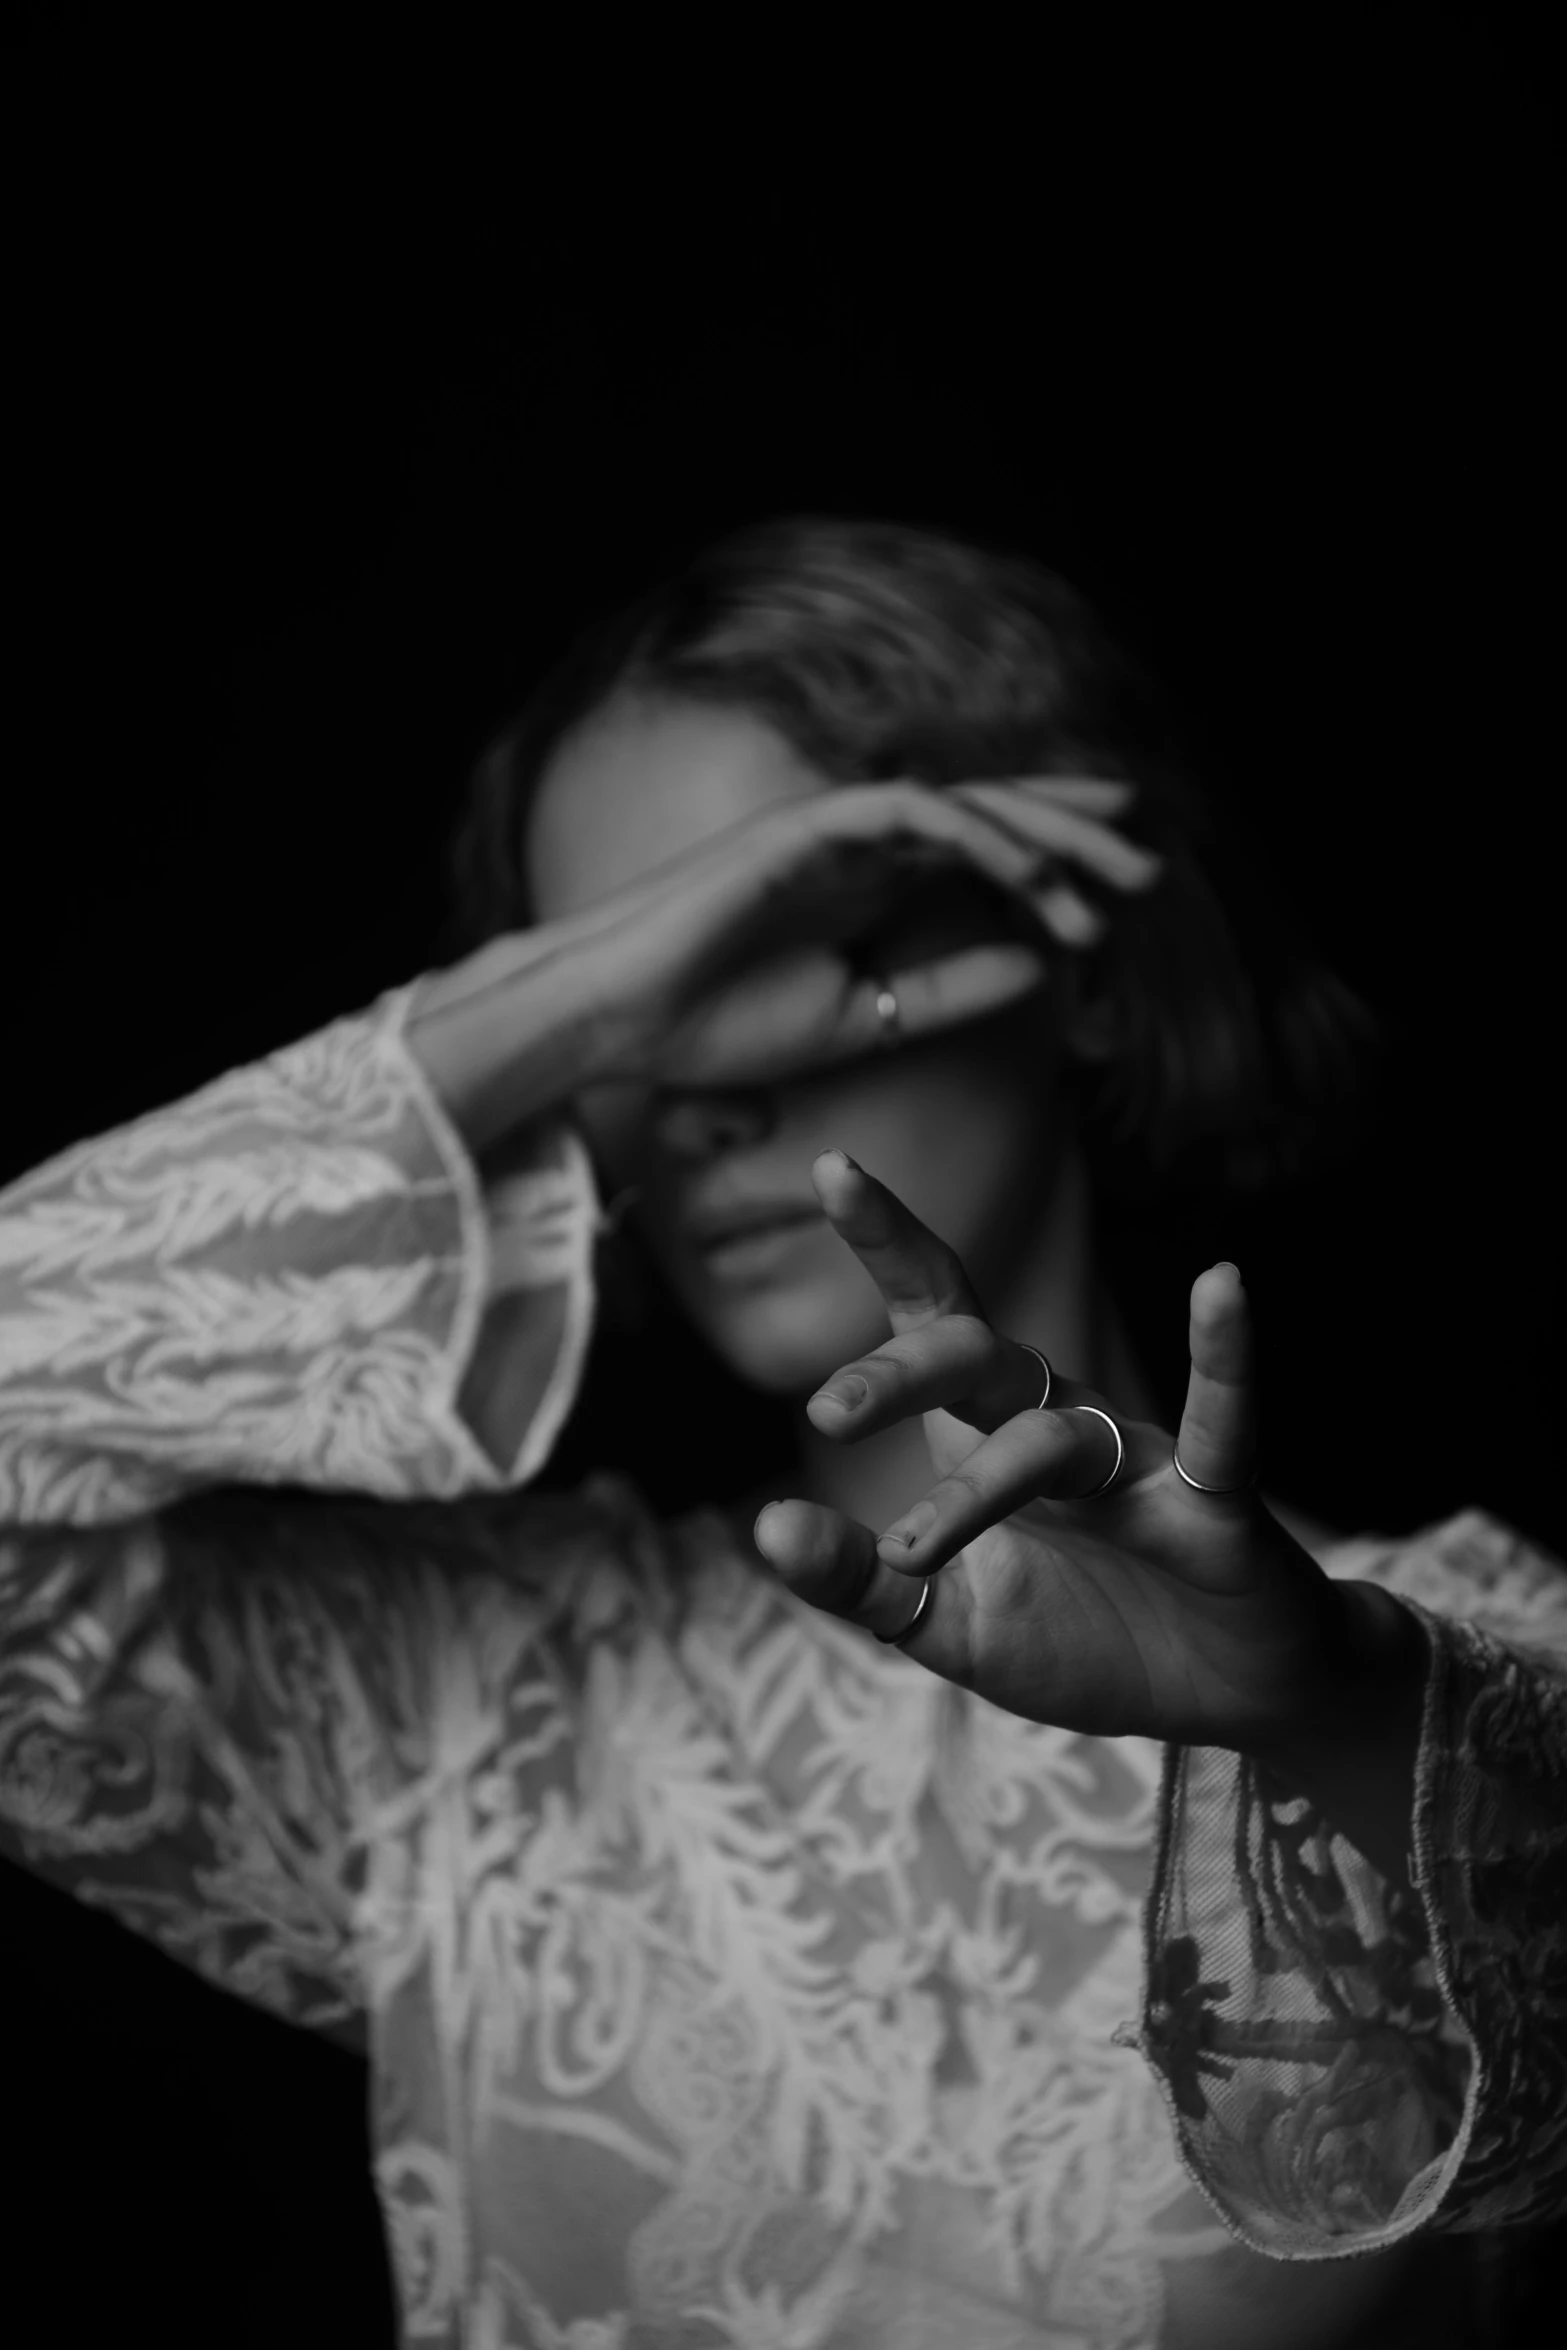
[{"x": 1053, "y": 1297}]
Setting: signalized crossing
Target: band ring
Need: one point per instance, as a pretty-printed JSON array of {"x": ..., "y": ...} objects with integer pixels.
[
  {"x": 1043, "y": 1403},
  {"x": 901, "y": 1639},
  {"x": 898, "y": 1639},
  {"x": 1120, "y": 1452},
  {"x": 1217, "y": 1489}
]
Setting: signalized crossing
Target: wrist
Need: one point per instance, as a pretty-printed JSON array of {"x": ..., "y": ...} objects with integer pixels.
[
  {"x": 508, "y": 1034},
  {"x": 1354, "y": 1755},
  {"x": 1369, "y": 1693}
]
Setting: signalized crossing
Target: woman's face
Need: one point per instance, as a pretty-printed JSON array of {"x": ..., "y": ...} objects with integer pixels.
[{"x": 968, "y": 1128}]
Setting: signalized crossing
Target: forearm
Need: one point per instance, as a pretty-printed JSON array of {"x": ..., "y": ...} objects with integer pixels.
[
  {"x": 284, "y": 1278},
  {"x": 509, "y": 1033},
  {"x": 1354, "y": 1759}
]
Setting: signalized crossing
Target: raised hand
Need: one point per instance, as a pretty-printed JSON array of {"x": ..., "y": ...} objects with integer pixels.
[
  {"x": 757, "y": 979},
  {"x": 735, "y": 965},
  {"x": 1149, "y": 1608}
]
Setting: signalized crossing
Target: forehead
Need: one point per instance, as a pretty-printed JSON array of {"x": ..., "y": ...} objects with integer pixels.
[{"x": 642, "y": 782}]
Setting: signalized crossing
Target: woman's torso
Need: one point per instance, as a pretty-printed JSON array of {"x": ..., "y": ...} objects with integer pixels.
[{"x": 736, "y": 1982}]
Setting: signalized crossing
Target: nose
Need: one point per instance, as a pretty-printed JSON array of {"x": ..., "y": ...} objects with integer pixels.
[{"x": 704, "y": 1125}]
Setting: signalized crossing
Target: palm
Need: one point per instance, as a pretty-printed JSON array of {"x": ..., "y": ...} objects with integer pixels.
[
  {"x": 1150, "y": 1609},
  {"x": 734, "y": 965},
  {"x": 1137, "y": 1622}
]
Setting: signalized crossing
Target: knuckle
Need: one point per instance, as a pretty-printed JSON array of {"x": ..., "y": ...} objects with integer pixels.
[
  {"x": 1055, "y": 1431},
  {"x": 962, "y": 1488}
]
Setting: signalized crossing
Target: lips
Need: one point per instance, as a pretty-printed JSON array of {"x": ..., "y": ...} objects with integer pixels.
[{"x": 743, "y": 1221}]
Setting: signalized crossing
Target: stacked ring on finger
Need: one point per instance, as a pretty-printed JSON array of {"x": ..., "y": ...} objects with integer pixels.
[
  {"x": 1223, "y": 1491},
  {"x": 1120, "y": 1448},
  {"x": 1120, "y": 1451},
  {"x": 901, "y": 1639}
]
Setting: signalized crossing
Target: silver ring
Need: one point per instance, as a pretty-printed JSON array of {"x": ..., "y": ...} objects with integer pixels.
[
  {"x": 1049, "y": 1376},
  {"x": 897, "y": 1639},
  {"x": 1120, "y": 1452},
  {"x": 1219, "y": 1489},
  {"x": 887, "y": 1013}
]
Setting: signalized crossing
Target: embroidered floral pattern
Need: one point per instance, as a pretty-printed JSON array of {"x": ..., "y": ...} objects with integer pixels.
[
  {"x": 278, "y": 1281},
  {"x": 1346, "y": 2060},
  {"x": 727, "y": 1980}
]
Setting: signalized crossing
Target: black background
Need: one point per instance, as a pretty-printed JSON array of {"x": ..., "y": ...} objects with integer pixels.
[{"x": 343, "y": 382}]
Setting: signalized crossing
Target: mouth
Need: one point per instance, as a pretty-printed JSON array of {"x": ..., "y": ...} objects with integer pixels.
[{"x": 752, "y": 1239}]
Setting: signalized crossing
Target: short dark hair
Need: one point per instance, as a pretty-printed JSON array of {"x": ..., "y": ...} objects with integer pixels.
[{"x": 881, "y": 650}]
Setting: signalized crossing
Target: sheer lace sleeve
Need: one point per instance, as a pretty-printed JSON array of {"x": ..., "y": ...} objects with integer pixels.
[
  {"x": 1347, "y": 2062},
  {"x": 287, "y": 1279}
]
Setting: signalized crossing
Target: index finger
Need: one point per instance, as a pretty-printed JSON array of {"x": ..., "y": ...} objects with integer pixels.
[{"x": 918, "y": 1275}]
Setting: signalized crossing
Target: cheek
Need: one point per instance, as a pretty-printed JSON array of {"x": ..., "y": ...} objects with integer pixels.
[{"x": 964, "y": 1133}]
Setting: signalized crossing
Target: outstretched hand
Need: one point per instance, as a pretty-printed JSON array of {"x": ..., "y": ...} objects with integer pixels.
[{"x": 1150, "y": 1609}]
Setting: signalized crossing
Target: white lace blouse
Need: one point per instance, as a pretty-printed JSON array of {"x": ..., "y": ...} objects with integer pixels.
[{"x": 729, "y": 1982}]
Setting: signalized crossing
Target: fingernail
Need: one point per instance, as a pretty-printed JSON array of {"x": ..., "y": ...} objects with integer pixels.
[
  {"x": 1224, "y": 1266},
  {"x": 908, "y": 1531},
  {"x": 840, "y": 1158},
  {"x": 846, "y": 1396}
]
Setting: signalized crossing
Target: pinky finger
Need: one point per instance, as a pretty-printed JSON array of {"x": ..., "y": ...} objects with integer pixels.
[
  {"x": 1068, "y": 916},
  {"x": 1218, "y": 1437}
]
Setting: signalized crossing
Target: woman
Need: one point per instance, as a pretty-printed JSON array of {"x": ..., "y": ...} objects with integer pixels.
[{"x": 1084, "y": 1923}]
